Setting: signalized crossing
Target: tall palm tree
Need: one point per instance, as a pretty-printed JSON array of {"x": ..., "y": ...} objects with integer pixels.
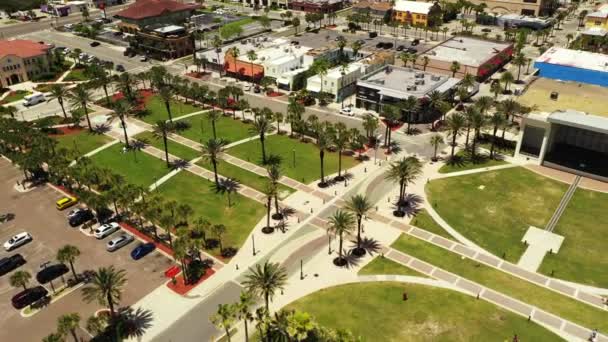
[
  {"x": 67, "y": 324},
  {"x": 121, "y": 109},
  {"x": 246, "y": 302},
  {"x": 59, "y": 92},
  {"x": 219, "y": 230},
  {"x": 106, "y": 287},
  {"x": 435, "y": 141},
  {"x": 80, "y": 97},
  {"x": 20, "y": 278},
  {"x": 274, "y": 175},
  {"x": 478, "y": 121},
  {"x": 224, "y": 317},
  {"x": 507, "y": 78},
  {"x": 211, "y": 151},
  {"x": 340, "y": 223},
  {"x": 496, "y": 88},
  {"x": 213, "y": 116},
  {"x": 360, "y": 206},
  {"x": 496, "y": 121},
  {"x": 340, "y": 139},
  {"x": 166, "y": 94},
  {"x": 294, "y": 113},
  {"x": 455, "y": 122},
  {"x": 262, "y": 126},
  {"x": 265, "y": 280},
  {"x": 53, "y": 337},
  {"x": 69, "y": 254},
  {"x": 370, "y": 125},
  {"x": 321, "y": 67},
  {"x": 323, "y": 143},
  {"x": 162, "y": 130},
  {"x": 390, "y": 115},
  {"x": 252, "y": 56},
  {"x": 404, "y": 172},
  {"x": 454, "y": 67},
  {"x": 519, "y": 61}
]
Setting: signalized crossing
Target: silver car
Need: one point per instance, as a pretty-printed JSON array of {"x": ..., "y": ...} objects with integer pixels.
[{"x": 119, "y": 242}]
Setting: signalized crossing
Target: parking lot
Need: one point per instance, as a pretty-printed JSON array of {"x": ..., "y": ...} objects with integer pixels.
[{"x": 35, "y": 213}]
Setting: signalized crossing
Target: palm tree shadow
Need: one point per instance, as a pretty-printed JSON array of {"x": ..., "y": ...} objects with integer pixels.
[
  {"x": 456, "y": 160},
  {"x": 410, "y": 205},
  {"x": 179, "y": 164},
  {"x": 370, "y": 245},
  {"x": 352, "y": 260},
  {"x": 227, "y": 185},
  {"x": 346, "y": 176},
  {"x": 102, "y": 128}
]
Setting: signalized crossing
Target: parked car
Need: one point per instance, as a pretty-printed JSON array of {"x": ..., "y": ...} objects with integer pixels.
[
  {"x": 347, "y": 111},
  {"x": 66, "y": 202},
  {"x": 380, "y": 45},
  {"x": 373, "y": 34},
  {"x": 388, "y": 45},
  {"x": 106, "y": 229},
  {"x": 247, "y": 87},
  {"x": 95, "y": 44},
  {"x": 33, "y": 99},
  {"x": 415, "y": 42},
  {"x": 17, "y": 240},
  {"x": 400, "y": 48},
  {"x": 412, "y": 50},
  {"x": 10, "y": 263},
  {"x": 142, "y": 250},
  {"x": 119, "y": 242},
  {"x": 28, "y": 297},
  {"x": 143, "y": 58},
  {"x": 257, "y": 89},
  {"x": 51, "y": 272},
  {"x": 80, "y": 217},
  {"x": 120, "y": 68},
  {"x": 68, "y": 26}
]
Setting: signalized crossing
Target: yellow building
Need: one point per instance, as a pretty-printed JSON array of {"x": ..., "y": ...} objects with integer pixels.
[
  {"x": 412, "y": 12},
  {"x": 597, "y": 19}
]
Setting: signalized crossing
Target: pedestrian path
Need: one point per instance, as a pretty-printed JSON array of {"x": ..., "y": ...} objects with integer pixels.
[
  {"x": 563, "y": 204},
  {"x": 564, "y": 327}
]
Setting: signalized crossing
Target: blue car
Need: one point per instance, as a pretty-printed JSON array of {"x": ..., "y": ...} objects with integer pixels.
[{"x": 142, "y": 250}]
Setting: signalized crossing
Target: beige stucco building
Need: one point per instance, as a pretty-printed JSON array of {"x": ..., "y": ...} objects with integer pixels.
[
  {"x": 525, "y": 7},
  {"x": 21, "y": 60}
]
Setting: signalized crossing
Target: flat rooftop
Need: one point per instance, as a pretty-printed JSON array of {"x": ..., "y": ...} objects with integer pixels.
[
  {"x": 243, "y": 45},
  {"x": 575, "y": 58},
  {"x": 467, "y": 51},
  {"x": 586, "y": 98},
  {"x": 399, "y": 82},
  {"x": 280, "y": 53}
]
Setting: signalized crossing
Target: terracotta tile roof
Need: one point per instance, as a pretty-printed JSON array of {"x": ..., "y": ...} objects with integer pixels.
[
  {"x": 22, "y": 48},
  {"x": 153, "y": 8}
]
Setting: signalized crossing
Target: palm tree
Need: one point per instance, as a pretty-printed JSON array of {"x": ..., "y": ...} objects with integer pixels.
[
  {"x": 391, "y": 117},
  {"x": 121, "y": 109},
  {"x": 261, "y": 126},
  {"x": 252, "y": 56},
  {"x": 105, "y": 287},
  {"x": 211, "y": 151},
  {"x": 370, "y": 125},
  {"x": 80, "y": 97},
  {"x": 225, "y": 317},
  {"x": 496, "y": 88},
  {"x": 59, "y": 92},
  {"x": 69, "y": 253},
  {"x": 360, "y": 206},
  {"x": 340, "y": 223},
  {"x": 323, "y": 142},
  {"x": 166, "y": 94},
  {"x": 403, "y": 172},
  {"x": 274, "y": 175},
  {"x": 217, "y": 45},
  {"x": 520, "y": 60},
  {"x": 10, "y": 110},
  {"x": 455, "y": 122},
  {"x": 243, "y": 312},
  {"x": 67, "y": 324},
  {"x": 468, "y": 114},
  {"x": 497, "y": 120},
  {"x": 265, "y": 280},
  {"x": 454, "y": 67},
  {"x": 96, "y": 324},
  {"x": 219, "y": 230},
  {"x": 321, "y": 67},
  {"x": 477, "y": 122},
  {"x": 213, "y": 116},
  {"x": 294, "y": 113},
  {"x": 269, "y": 190},
  {"x": 162, "y": 130},
  {"x": 20, "y": 278},
  {"x": 425, "y": 62},
  {"x": 507, "y": 78},
  {"x": 53, "y": 337},
  {"x": 435, "y": 141}
]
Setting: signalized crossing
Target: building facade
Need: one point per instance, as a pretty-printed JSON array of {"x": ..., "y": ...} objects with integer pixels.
[
  {"x": 164, "y": 42},
  {"x": 573, "y": 65},
  {"x": 525, "y": 7},
  {"x": 597, "y": 19},
  {"x": 412, "y": 12},
  {"x": 154, "y": 12},
  {"x": 318, "y": 6},
  {"x": 22, "y": 60},
  {"x": 375, "y": 9}
]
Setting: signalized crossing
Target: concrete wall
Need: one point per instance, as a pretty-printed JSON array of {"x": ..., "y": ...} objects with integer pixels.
[{"x": 242, "y": 68}]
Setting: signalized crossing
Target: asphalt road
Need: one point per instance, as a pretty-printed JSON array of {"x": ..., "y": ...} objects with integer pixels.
[{"x": 195, "y": 325}]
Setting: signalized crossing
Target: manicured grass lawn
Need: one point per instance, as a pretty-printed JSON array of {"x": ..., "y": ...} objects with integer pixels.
[
  {"x": 424, "y": 221},
  {"x": 157, "y": 111},
  {"x": 376, "y": 312},
  {"x": 175, "y": 148},
  {"x": 16, "y": 96},
  {"x": 565, "y": 307},
  {"x": 495, "y": 209},
  {"x": 464, "y": 162},
  {"x": 82, "y": 142},
  {"x": 200, "y": 193},
  {"x": 75, "y": 75},
  {"x": 248, "y": 178},
  {"x": 582, "y": 257},
  {"x": 137, "y": 167},
  {"x": 226, "y": 128},
  {"x": 384, "y": 266},
  {"x": 307, "y": 167}
]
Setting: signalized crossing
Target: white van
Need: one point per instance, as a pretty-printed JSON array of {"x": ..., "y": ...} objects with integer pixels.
[{"x": 33, "y": 99}]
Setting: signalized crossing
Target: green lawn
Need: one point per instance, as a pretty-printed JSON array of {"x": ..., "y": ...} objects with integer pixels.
[
  {"x": 495, "y": 209},
  {"x": 226, "y": 128},
  {"x": 16, "y": 96},
  {"x": 384, "y": 266},
  {"x": 463, "y": 161},
  {"x": 175, "y": 148},
  {"x": 307, "y": 163},
  {"x": 137, "y": 167},
  {"x": 156, "y": 110},
  {"x": 424, "y": 221},
  {"x": 376, "y": 312},
  {"x": 200, "y": 193},
  {"x": 75, "y": 74},
  {"x": 82, "y": 142},
  {"x": 565, "y": 307},
  {"x": 582, "y": 257},
  {"x": 248, "y": 178}
]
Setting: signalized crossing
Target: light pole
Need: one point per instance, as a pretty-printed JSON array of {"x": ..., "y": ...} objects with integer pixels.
[
  {"x": 328, "y": 244},
  {"x": 253, "y": 244},
  {"x": 301, "y": 270}
]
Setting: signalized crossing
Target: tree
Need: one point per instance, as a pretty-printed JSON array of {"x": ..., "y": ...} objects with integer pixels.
[
  {"x": 496, "y": 88},
  {"x": 59, "y": 92},
  {"x": 162, "y": 130},
  {"x": 243, "y": 312},
  {"x": 106, "y": 287},
  {"x": 53, "y": 337},
  {"x": 265, "y": 22},
  {"x": 478, "y": 121},
  {"x": 213, "y": 116},
  {"x": 507, "y": 78},
  {"x": 67, "y": 324},
  {"x": 121, "y": 109},
  {"x": 454, "y": 67},
  {"x": 69, "y": 254},
  {"x": 219, "y": 230},
  {"x": 262, "y": 126},
  {"x": 519, "y": 60},
  {"x": 252, "y": 56},
  {"x": 321, "y": 67},
  {"x": 80, "y": 97},
  {"x": 96, "y": 324},
  {"x": 497, "y": 120},
  {"x": 370, "y": 125},
  {"x": 85, "y": 13},
  {"x": 295, "y": 22},
  {"x": 340, "y": 223},
  {"x": 265, "y": 280},
  {"x": 323, "y": 142},
  {"x": 294, "y": 113},
  {"x": 391, "y": 116},
  {"x": 455, "y": 122},
  {"x": 403, "y": 172},
  {"x": 211, "y": 151},
  {"x": 10, "y": 110},
  {"x": 166, "y": 94},
  {"x": 20, "y": 278},
  {"x": 356, "y": 46},
  {"x": 224, "y": 317},
  {"x": 360, "y": 206},
  {"x": 341, "y": 43},
  {"x": 435, "y": 141}
]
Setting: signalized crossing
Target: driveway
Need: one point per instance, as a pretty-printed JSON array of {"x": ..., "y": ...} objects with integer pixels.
[{"x": 35, "y": 213}]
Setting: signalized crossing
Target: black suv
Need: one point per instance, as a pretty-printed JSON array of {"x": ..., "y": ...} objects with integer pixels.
[
  {"x": 11, "y": 263},
  {"x": 29, "y": 296},
  {"x": 81, "y": 217},
  {"x": 51, "y": 272}
]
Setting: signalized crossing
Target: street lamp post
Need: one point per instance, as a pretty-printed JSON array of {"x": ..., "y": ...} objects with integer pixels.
[
  {"x": 301, "y": 270},
  {"x": 328, "y": 244},
  {"x": 253, "y": 244}
]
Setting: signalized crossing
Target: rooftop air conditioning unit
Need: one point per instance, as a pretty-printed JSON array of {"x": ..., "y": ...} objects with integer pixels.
[
  {"x": 411, "y": 88},
  {"x": 435, "y": 78},
  {"x": 419, "y": 82},
  {"x": 419, "y": 75},
  {"x": 388, "y": 70}
]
